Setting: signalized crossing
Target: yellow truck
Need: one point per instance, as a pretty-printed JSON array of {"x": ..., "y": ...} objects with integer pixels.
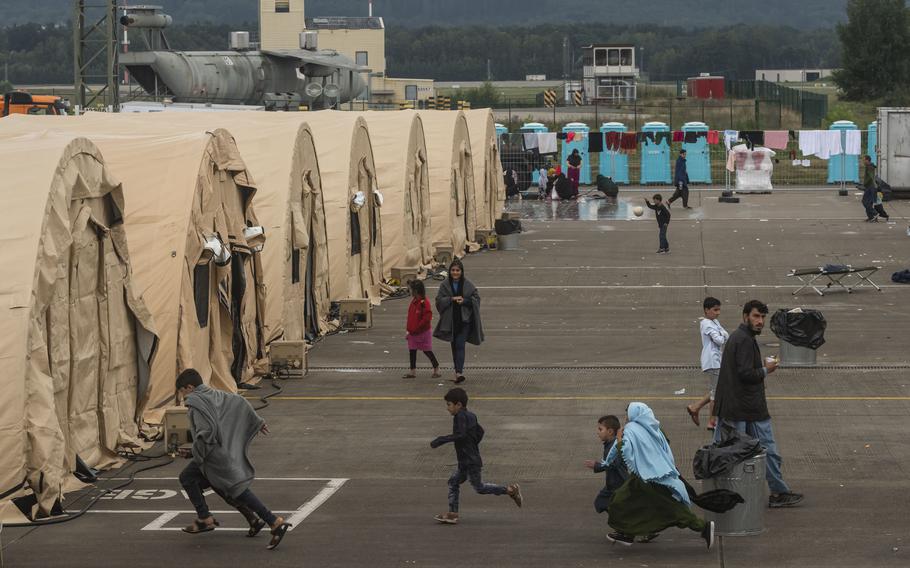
[{"x": 20, "y": 102}]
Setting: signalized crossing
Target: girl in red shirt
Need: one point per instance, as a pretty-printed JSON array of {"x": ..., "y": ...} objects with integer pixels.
[{"x": 420, "y": 332}]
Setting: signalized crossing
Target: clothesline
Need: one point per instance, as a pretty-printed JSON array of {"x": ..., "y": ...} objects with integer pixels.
[{"x": 820, "y": 143}]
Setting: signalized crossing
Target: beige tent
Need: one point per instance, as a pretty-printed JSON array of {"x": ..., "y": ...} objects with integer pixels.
[
  {"x": 76, "y": 340},
  {"x": 489, "y": 187},
  {"x": 189, "y": 193},
  {"x": 451, "y": 178},
  {"x": 400, "y": 151},
  {"x": 289, "y": 203},
  {"x": 352, "y": 202}
]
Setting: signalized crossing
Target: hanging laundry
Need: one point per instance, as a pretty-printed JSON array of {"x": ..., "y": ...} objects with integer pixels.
[
  {"x": 753, "y": 138},
  {"x": 692, "y": 137},
  {"x": 730, "y": 138},
  {"x": 806, "y": 163},
  {"x": 570, "y": 136},
  {"x": 713, "y": 137},
  {"x": 628, "y": 142},
  {"x": 731, "y": 161},
  {"x": 810, "y": 142},
  {"x": 546, "y": 142},
  {"x": 797, "y": 162},
  {"x": 777, "y": 139},
  {"x": 596, "y": 143},
  {"x": 834, "y": 142},
  {"x": 661, "y": 136},
  {"x": 853, "y": 143},
  {"x": 612, "y": 141},
  {"x": 531, "y": 140},
  {"x": 561, "y": 136},
  {"x": 678, "y": 136},
  {"x": 758, "y": 158}
]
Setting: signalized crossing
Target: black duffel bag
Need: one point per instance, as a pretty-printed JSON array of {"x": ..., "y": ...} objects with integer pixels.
[{"x": 507, "y": 226}]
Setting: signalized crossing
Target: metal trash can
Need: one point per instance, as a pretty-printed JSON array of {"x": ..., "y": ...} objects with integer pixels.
[
  {"x": 507, "y": 242},
  {"x": 748, "y": 479},
  {"x": 795, "y": 356}
]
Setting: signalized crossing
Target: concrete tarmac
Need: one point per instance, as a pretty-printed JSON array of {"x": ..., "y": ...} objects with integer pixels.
[{"x": 584, "y": 319}]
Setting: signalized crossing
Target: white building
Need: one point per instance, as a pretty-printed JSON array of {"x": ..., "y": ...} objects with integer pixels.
[
  {"x": 610, "y": 72},
  {"x": 792, "y": 75}
]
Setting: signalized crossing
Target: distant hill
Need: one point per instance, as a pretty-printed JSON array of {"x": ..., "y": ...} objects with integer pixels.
[{"x": 804, "y": 14}]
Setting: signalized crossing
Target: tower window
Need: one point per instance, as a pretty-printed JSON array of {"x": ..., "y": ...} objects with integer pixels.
[{"x": 282, "y": 6}]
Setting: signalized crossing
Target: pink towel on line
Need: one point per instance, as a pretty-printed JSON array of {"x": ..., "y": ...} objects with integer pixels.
[{"x": 777, "y": 139}]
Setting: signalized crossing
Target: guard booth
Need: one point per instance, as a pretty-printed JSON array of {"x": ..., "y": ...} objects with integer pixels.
[
  {"x": 843, "y": 167},
  {"x": 872, "y": 142},
  {"x": 613, "y": 163},
  {"x": 698, "y": 155},
  {"x": 579, "y": 132},
  {"x": 655, "y": 156},
  {"x": 534, "y": 127}
]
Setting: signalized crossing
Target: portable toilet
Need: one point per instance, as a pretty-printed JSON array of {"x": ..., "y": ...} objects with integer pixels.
[
  {"x": 579, "y": 132},
  {"x": 843, "y": 167},
  {"x": 500, "y": 129},
  {"x": 526, "y": 128},
  {"x": 872, "y": 142},
  {"x": 613, "y": 163},
  {"x": 698, "y": 153},
  {"x": 655, "y": 156}
]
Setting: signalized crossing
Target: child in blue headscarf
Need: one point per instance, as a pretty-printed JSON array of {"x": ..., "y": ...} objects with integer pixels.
[{"x": 654, "y": 498}]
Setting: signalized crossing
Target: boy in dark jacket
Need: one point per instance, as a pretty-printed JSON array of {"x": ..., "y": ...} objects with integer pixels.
[
  {"x": 681, "y": 175},
  {"x": 466, "y": 435},
  {"x": 663, "y": 222},
  {"x": 616, "y": 473}
]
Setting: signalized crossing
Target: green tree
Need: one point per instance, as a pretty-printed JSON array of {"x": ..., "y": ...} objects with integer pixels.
[
  {"x": 482, "y": 97},
  {"x": 875, "y": 50}
]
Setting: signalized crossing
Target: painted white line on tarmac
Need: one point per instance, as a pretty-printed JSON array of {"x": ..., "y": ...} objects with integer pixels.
[{"x": 307, "y": 508}]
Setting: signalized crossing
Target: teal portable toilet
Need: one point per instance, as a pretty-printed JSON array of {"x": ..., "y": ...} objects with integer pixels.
[
  {"x": 655, "y": 156},
  {"x": 500, "y": 129},
  {"x": 579, "y": 142},
  {"x": 872, "y": 142},
  {"x": 843, "y": 167},
  {"x": 698, "y": 154},
  {"x": 533, "y": 127},
  {"x": 613, "y": 163}
]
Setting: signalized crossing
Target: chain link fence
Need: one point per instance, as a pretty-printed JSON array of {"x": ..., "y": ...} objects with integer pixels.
[{"x": 786, "y": 172}]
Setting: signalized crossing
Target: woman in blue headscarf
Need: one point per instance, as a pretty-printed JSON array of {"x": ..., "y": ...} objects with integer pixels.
[{"x": 654, "y": 497}]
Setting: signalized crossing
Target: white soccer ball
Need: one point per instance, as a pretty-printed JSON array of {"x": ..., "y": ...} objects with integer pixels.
[{"x": 638, "y": 211}]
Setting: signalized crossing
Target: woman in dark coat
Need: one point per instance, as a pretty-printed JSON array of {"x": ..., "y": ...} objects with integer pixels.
[{"x": 458, "y": 304}]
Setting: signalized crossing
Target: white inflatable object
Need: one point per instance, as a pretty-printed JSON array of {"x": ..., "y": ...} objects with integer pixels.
[{"x": 638, "y": 211}]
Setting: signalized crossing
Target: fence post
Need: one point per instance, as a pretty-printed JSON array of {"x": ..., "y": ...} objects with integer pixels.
[
  {"x": 731, "y": 114},
  {"x": 703, "y": 110},
  {"x": 671, "y": 115},
  {"x": 636, "y": 114},
  {"x": 757, "y": 116}
]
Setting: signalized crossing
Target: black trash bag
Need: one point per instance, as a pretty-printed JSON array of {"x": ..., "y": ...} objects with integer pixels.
[
  {"x": 901, "y": 277},
  {"x": 507, "y": 226},
  {"x": 607, "y": 186},
  {"x": 716, "y": 501},
  {"x": 718, "y": 458},
  {"x": 806, "y": 329}
]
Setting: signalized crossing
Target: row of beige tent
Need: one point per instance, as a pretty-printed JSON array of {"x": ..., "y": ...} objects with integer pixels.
[{"x": 140, "y": 245}]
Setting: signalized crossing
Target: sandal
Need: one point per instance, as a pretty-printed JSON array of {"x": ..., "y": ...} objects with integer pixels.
[
  {"x": 694, "y": 416},
  {"x": 200, "y": 526},
  {"x": 436, "y": 373},
  {"x": 278, "y": 534},
  {"x": 255, "y": 526},
  {"x": 459, "y": 379},
  {"x": 409, "y": 376}
]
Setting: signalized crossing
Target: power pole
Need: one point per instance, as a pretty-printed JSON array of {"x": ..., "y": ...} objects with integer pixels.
[
  {"x": 489, "y": 71},
  {"x": 94, "y": 46}
]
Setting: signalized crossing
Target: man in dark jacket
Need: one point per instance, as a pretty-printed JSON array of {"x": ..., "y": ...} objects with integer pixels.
[
  {"x": 869, "y": 189},
  {"x": 681, "y": 181},
  {"x": 740, "y": 399},
  {"x": 466, "y": 435}
]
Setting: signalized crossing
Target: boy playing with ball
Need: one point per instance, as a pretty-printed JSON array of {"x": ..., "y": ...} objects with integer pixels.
[{"x": 663, "y": 221}]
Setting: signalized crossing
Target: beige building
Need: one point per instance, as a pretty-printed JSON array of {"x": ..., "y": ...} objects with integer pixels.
[
  {"x": 280, "y": 23},
  {"x": 363, "y": 40}
]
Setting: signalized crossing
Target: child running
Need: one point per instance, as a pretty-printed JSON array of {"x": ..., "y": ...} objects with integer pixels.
[
  {"x": 420, "y": 334},
  {"x": 663, "y": 222},
  {"x": 654, "y": 497},
  {"x": 466, "y": 435}
]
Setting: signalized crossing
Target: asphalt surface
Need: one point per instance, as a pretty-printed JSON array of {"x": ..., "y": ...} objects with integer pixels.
[{"x": 580, "y": 321}]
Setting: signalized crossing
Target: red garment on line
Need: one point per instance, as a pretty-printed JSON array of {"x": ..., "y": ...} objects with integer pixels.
[
  {"x": 679, "y": 136},
  {"x": 629, "y": 141},
  {"x": 612, "y": 141},
  {"x": 713, "y": 137}
]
